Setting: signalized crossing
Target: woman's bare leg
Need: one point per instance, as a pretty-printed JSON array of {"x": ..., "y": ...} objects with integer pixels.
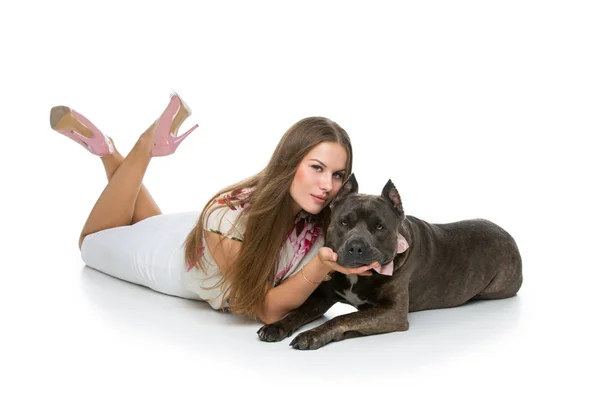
[
  {"x": 116, "y": 204},
  {"x": 145, "y": 206}
]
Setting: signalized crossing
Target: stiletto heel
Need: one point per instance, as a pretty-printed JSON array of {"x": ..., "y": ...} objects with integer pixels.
[
  {"x": 179, "y": 139},
  {"x": 166, "y": 140},
  {"x": 81, "y": 130}
]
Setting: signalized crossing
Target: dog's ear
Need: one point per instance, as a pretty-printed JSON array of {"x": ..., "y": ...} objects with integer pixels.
[
  {"x": 351, "y": 186},
  {"x": 390, "y": 193}
]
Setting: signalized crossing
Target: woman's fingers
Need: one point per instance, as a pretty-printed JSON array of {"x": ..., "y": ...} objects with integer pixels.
[
  {"x": 357, "y": 270},
  {"x": 329, "y": 257}
]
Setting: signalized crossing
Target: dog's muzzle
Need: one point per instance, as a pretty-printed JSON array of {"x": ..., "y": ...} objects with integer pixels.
[{"x": 357, "y": 253}]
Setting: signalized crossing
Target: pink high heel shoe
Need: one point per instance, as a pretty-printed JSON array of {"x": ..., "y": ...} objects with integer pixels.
[
  {"x": 166, "y": 140},
  {"x": 78, "y": 128}
]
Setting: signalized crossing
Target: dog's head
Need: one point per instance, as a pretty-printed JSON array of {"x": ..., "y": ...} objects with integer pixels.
[{"x": 364, "y": 228}]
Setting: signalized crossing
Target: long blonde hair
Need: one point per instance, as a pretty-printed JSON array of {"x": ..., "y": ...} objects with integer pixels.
[{"x": 268, "y": 214}]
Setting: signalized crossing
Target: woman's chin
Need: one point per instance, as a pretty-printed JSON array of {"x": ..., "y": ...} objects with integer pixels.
[
  {"x": 313, "y": 209},
  {"x": 313, "y": 206}
]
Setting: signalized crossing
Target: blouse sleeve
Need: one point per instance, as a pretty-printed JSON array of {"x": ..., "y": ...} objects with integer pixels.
[{"x": 225, "y": 222}]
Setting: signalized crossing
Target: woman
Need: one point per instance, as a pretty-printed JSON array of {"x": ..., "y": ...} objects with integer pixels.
[{"x": 256, "y": 249}]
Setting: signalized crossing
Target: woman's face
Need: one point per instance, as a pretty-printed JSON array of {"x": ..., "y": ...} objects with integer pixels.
[{"x": 318, "y": 178}]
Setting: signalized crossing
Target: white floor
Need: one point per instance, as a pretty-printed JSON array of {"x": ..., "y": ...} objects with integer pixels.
[
  {"x": 473, "y": 109},
  {"x": 72, "y": 330}
]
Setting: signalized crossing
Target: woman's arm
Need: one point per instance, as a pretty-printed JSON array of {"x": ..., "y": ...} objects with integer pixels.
[
  {"x": 294, "y": 291},
  {"x": 282, "y": 299},
  {"x": 223, "y": 250}
]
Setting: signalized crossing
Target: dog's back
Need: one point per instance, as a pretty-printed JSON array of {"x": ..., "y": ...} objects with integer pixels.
[{"x": 453, "y": 263}]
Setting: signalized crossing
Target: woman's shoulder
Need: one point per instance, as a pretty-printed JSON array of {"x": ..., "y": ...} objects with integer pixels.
[
  {"x": 225, "y": 215},
  {"x": 235, "y": 200}
]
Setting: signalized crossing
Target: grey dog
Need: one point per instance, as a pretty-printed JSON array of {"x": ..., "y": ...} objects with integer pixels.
[{"x": 424, "y": 266}]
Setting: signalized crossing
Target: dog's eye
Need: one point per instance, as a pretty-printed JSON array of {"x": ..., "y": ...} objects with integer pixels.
[
  {"x": 344, "y": 222},
  {"x": 379, "y": 227}
]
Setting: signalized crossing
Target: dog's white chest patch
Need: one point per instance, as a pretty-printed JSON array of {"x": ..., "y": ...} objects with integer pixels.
[{"x": 349, "y": 295}]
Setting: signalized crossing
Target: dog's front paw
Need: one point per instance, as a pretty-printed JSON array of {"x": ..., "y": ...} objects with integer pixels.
[
  {"x": 274, "y": 332},
  {"x": 309, "y": 340}
]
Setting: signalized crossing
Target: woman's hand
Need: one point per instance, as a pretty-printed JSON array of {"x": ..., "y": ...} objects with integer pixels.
[{"x": 329, "y": 257}]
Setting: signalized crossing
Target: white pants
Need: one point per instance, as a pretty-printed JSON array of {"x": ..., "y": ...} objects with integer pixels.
[{"x": 148, "y": 253}]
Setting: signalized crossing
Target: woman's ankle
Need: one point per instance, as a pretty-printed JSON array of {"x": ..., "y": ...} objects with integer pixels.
[
  {"x": 144, "y": 144},
  {"x": 146, "y": 140},
  {"x": 111, "y": 163}
]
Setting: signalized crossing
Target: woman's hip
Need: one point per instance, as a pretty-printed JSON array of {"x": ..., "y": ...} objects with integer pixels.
[{"x": 148, "y": 253}]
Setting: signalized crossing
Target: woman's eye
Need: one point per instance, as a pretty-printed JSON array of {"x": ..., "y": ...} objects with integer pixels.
[
  {"x": 317, "y": 167},
  {"x": 344, "y": 222},
  {"x": 379, "y": 227},
  {"x": 337, "y": 175}
]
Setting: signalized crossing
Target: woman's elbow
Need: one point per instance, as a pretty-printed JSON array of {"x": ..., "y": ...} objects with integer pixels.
[
  {"x": 265, "y": 318},
  {"x": 268, "y": 320},
  {"x": 270, "y": 314}
]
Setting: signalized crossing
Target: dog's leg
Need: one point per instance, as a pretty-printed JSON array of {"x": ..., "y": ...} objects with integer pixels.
[
  {"x": 371, "y": 321},
  {"x": 317, "y": 304}
]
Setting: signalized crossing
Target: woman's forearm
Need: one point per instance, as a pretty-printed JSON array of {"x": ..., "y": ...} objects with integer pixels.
[{"x": 292, "y": 292}]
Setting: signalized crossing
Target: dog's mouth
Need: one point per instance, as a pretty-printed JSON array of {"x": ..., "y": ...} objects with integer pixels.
[{"x": 356, "y": 262}]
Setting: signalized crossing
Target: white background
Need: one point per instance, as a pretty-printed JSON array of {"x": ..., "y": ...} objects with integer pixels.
[{"x": 472, "y": 108}]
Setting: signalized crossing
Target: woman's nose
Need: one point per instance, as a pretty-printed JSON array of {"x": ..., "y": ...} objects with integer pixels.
[{"x": 326, "y": 183}]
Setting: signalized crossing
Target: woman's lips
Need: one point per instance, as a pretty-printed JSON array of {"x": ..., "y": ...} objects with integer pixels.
[{"x": 319, "y": 200}]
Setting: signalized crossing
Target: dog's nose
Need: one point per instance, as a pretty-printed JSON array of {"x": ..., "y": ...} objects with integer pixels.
[{"x": 356, "y": 248}]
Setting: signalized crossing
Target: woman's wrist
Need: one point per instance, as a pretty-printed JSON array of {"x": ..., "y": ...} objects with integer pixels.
[{"x": 315, "y": 271}]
